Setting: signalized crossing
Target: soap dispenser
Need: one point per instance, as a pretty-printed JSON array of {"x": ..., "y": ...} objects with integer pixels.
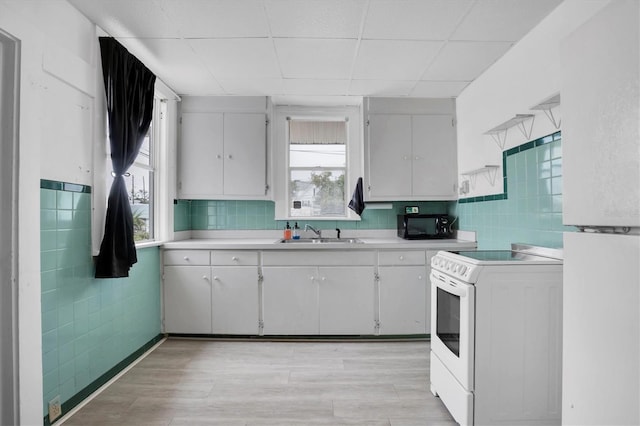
[
  {"x": 287, "y": 232},
  {"x": 296, "y": 232}
]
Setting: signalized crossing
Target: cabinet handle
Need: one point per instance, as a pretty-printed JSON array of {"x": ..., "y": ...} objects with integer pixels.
[
  {"x": 417, "y": 158},
  {"x": 216, "y": 279},
  {"x": 401, "y": 258},
  {"x": 420, "y": 277},
  {"x": 206, "y": 278},
  {"x": 311, "y": 278},
  {"x": 186, "y": 258},
  {"x": 234, "y": 258},
  {"x": 230, "y": 157},
  {"x": 323, "y": 279},
  {"x": 218, "y": 156},
  {"x": 405, "y": 157}
]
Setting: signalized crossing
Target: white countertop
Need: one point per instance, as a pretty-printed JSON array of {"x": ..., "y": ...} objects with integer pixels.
[{"x": 261, "y": 243}]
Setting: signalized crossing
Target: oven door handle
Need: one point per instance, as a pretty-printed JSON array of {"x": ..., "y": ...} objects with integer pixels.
[{"x": 448, "y": 286}]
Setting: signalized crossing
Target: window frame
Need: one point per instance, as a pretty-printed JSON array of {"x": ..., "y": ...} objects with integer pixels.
[{"x": 354, "y": 156}]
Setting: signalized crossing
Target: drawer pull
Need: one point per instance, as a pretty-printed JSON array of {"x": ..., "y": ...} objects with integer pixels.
[
  {"x": 234, "y": 258},
  {"x": 186, "y": 258},
  {"x": 206, "y": 278},
  {"x": 216, "y": 279},
  {"x": 401, "y": 257}
]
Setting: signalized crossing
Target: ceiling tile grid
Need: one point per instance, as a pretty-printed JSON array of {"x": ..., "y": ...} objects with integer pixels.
[{"x": 312, "y": 51}]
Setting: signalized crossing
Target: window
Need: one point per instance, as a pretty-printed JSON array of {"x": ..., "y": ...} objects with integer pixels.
[
  {"x": 317, "y": 168},
  {"x": 141, "y": 179},
  {"x": 140, "y": 186}
]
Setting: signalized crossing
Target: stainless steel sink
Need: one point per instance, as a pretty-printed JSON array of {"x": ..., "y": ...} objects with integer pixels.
[{"x": 323, "y": 241}]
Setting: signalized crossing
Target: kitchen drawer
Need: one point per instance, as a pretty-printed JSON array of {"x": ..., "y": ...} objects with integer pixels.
[
  {"x": 186, "y": 257},
  {"x": 234, "y": 258},
  {"x": 318, "y": 258},
  {"x": 401, "y": 257}
]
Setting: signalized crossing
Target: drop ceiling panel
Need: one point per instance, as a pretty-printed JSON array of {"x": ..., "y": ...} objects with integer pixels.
[
  {"x": 315, "y": 58},
  {"x": 503, "y": 20},
  {"x": 131, "y": 19},
  {"x": 251, "y": 86},
  {"x": 316, "y": 19},
  {"x": 175, "y": 62},
  {"x": 394, "y": 59},
  {"x": 239, "y": 58},
  {"x": 438, "y": 89},
  {"x": 315, "y": 87},
  {"x": 464, "y": 61},
  {"x": 220, "y": 18},
  {"x": 381, "y": 87},
  {"x": 420, "y": 19}
]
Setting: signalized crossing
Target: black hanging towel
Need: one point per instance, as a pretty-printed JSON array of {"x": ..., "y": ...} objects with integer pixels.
[
  {"x": 129, "y": 89},
  {"x": 357, "y": 200}
]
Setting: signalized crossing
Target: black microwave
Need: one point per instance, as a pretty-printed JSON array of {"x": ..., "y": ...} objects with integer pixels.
[{"x": 423, "y": 226}]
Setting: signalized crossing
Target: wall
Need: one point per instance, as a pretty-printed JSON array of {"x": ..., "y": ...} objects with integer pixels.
[
  {"x": 59, "y": 116},
  {"x": 218, "y": 214},
  {"x": 530, "y": 208},
  {"x": 88, "y": 325},
  {"x": 525, "y": 76}
]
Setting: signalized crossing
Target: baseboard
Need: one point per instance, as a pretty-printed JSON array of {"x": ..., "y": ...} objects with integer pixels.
[{"x": 76, "y": 399}]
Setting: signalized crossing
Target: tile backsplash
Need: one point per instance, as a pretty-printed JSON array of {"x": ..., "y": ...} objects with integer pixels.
[
  {"x": 530, "y": 208},
  {"x": 88, "y": 325},
  {"x": 241, "y": 215}
]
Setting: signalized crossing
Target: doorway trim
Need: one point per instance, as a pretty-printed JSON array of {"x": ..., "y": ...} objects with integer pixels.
[{"x": 9, "y": 150}]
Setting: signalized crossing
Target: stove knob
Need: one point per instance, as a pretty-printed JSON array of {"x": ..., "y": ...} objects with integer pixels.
[{"x": 463, "y": 269}]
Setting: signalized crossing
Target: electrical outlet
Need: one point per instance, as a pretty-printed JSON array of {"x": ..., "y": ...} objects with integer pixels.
[{"x": 55, "y": 409}]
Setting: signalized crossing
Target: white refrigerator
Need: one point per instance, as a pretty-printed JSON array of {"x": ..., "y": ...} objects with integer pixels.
[{"x": 601, "y": 195}]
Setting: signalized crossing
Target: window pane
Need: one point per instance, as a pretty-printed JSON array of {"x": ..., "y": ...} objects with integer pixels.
[
  {"x": 317, "y": 155},
  {"x": 144, "y": 156},
  {"x": 140, "y": 189},
  {"x": 317, "y": 193}
]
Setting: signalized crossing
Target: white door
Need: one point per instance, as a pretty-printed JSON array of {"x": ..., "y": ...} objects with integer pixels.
[
  {"x": 201, "y": 164},
  {"x": 403, "y": 299},
  {"x": 234, "y": 302},
  {"x": 290, "y": 300},
  {"x": 346, "y": 304},
  {"x": 434, "y": 156},
  {"x": 389, "y": 156},
  {"x": 601, "y": 329},
  {"x": 187, "y": 299},
  {"x": 244, "y": 154}
]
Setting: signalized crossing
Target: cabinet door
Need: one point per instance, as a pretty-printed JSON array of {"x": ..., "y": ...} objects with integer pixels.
[
  {"x": 290, "y": 300},
  {"x": 434, "y": 156},
  {"x": 187, "y": 299},
  {"x": 234, "y": 302},
  {"x": 346, "y": 304},
  {"x": 389, "y": 156},
  {"x": 200, "y": 161},
  {"x": 244, "y": 154},
  {"x": 403, "y": 299}
]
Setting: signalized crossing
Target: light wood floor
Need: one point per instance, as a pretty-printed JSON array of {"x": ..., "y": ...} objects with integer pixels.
[{"x": 204, "y": 382}]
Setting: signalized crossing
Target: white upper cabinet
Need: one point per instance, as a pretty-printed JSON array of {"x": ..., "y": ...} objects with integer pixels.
[
  {"x": 410, "y": 150},
  {"x": 223, "y": 149}
]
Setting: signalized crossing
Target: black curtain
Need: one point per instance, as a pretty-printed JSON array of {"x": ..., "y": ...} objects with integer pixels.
[{"x": 129, "y": 88}]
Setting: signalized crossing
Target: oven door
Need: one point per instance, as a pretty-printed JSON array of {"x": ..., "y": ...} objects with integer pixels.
[{"x": 452, "y": 326}]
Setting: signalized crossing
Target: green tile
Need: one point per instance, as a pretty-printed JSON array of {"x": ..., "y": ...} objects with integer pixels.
[
  {"x": 64, "y": 200},
  {"x": 48, "y": 199}
]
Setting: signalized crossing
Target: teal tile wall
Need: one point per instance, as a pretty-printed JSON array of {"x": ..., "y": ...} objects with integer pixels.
[
  {"x": 530, "y": 209},
  {"x": 88, "y": 325},
  {"x": 242, "y": 215}
]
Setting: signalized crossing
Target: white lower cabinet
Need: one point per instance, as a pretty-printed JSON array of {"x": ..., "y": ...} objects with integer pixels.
[
  {"x": 290, "y": 300},
  {"x": 310, "y": 293},
  {"x": 211, "y": 292},
  {"x": 303, "y": 292},
  {"x": 234, "y": 300},
  {"x": 346, "y": 300},
  {"x": 403, "y": 292},
  {"x": 187, "y": 299}
]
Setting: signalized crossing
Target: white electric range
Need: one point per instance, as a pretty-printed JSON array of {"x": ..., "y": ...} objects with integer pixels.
[{"x": 496, "y": 335}]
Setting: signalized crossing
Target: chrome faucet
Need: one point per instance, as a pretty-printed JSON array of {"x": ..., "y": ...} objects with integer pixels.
[{"x": 317, "y": 232}]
